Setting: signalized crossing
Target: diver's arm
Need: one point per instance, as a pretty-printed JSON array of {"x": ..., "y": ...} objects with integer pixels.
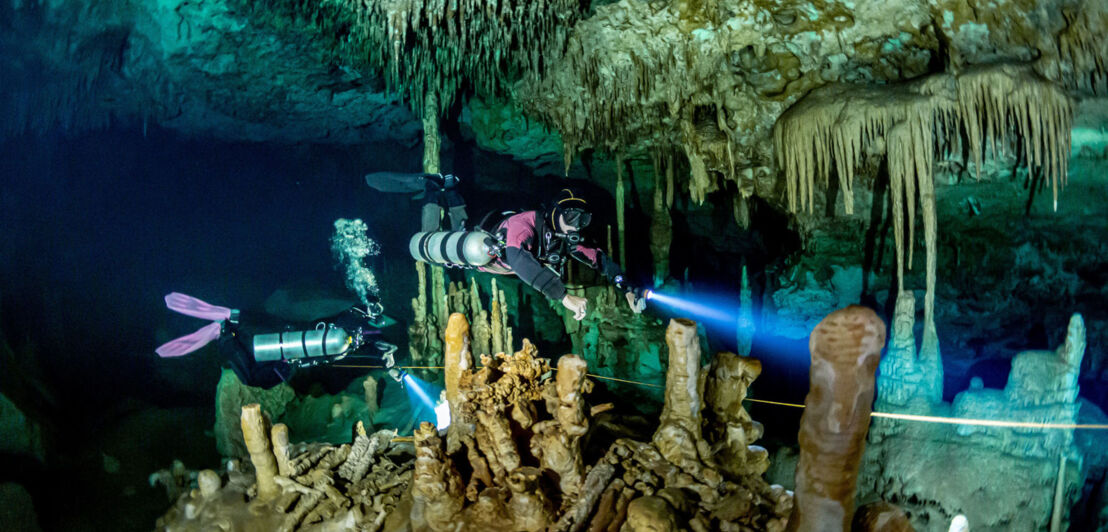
[
  {"x": 611, "y": 270},
  {"x": 601, "y": 262},
  {"x": 533, "y": 274}
]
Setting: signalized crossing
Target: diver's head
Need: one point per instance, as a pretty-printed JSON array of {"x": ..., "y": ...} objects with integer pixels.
[{"x": 570, "y": 214}]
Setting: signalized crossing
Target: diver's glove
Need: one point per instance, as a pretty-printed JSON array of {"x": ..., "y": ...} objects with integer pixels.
[
  {"x": 636, "y": 297},
  {"x": 636, "y": 301}
]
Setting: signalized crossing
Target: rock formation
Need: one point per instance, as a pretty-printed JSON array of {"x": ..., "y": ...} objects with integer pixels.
[
  {"x": 523, "y": 465},
  {"x": 845, "y": 347},
  {"x": 933, "y": 471}
]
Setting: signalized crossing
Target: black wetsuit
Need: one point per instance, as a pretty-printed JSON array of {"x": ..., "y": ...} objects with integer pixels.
[{"x": 236, "y": 342}]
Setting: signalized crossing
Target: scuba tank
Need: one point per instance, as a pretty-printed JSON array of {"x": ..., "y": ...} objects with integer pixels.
[
  {"x": 303, "y": 347},
  {"x": 467, "y": 249}
]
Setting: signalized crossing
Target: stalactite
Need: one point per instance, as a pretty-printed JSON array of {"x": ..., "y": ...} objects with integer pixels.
[
  {"x": 998, "y": 100},
  {"x": 828, "y": 130},
  {"x": 661, "y": 226},
  {"x": 620, "y": 206}
]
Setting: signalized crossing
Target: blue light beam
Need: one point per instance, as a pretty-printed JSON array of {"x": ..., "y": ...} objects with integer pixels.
[{"x": 714, "y": 312}]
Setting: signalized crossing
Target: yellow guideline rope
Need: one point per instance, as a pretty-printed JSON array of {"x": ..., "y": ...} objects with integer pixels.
[
  {"x": 906, "y": 417},
  {"x": 621, "y": 380},
  {"x": 959, "y": 420}
]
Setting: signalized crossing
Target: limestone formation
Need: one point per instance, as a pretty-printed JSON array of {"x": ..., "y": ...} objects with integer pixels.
[
  {"x": 256, "y": 434},
  {"x": 326, "y": 488},
  {"x": 1042, "y": 387},
  {"x": 369, "y": 385},
  {"x": 458, "y": 359},
  {"x": 931, "y": 470},
  {"x": 678, "y": 437},
  {"x": 845, "y": 347},
  {"x": 904, "y": 375},
  {"x": 279, "y": 435},
  {"x": 730, "y": 431}
]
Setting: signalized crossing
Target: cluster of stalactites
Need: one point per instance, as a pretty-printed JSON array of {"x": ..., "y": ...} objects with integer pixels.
[
  {"x": 1083, "y": 45},
  {"x": 835, "y": 127},
  {"x": 443, "y": 46},
  {"x": 996, "y": 101},
  {"x": 831, "y": 129}
]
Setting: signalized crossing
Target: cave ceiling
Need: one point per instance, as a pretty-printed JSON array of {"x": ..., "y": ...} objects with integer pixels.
[{"x": 703, "y": 80}]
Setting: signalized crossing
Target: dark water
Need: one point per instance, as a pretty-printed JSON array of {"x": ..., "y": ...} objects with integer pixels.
[{"x": 97, "y": 228}]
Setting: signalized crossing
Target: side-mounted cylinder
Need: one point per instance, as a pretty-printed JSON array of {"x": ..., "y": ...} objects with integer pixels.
[
  {"x": 454, "y": 248},
  {"x": 293, "y": 346}
]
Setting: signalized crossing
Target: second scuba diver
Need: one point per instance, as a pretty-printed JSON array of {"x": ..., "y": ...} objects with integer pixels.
[{"x": 266, "y": 356}]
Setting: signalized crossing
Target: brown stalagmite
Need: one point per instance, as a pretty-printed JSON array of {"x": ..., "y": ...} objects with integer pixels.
[
  {"x": 496, "y": 322},
  {"x": 571, "y": 385},
  {"x": 530, "y": 509},
  {"x": 678, "y": 437},
  {"x": 730, "y": 429},
  {"x": 280, "y": 436},
  {"x": 436, "y": 486},
  {"x": 261, "y": 455},
  {"x": 557, "y": 443},
  {"x": 845, "y": 347},
  {"x": 458, "y": 359}
]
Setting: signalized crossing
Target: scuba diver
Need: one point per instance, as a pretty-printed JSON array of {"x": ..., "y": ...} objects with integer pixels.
[
  {"x": 439, "y": 192},
  {"x": 534, "y": 245},
  {"x": 263, "y": 357}
]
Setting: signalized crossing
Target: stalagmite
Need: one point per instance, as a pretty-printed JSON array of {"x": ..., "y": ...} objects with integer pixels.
[
  {"x": 369, "y": 386},
  {"x": 530, "y": 509},
  {"x": 261, "y": 455},
  {"x": 557, "y": 442},
  {"x": 845, "y": 347},
  {"x": 208, "y": 482},
  {"x": 495, "y": 322},
  {"x": 440, "y": 308},
  {"x": 436, "y": 486},
  {"x": 280, "y": 437},
  {"x": 458, "y": 359},
  {"x": 730, "y": 429},
  {"x": 678, "y": 436}
]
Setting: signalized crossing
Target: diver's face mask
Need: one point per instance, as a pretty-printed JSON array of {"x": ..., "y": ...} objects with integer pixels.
[{"x": 573, "y": 220}]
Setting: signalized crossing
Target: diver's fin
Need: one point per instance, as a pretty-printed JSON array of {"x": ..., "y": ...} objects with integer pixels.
[
  {"x": 190, "y": 306},
  {"x": 396, "y": 181},
  {"x": 187, "y": 344}
]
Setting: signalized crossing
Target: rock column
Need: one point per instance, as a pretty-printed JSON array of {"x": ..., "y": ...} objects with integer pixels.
[{"x": 846, "y": 347}]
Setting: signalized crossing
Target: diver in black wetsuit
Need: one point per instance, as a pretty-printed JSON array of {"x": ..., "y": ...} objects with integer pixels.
[
  {"x": 267, "y": 356},
  {"x": 263, "y": 355}
]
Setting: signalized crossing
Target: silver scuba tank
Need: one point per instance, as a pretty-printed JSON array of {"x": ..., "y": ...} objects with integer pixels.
[
  {"x": 456, "y": 248},
  {"x": 323, "y": 341}
]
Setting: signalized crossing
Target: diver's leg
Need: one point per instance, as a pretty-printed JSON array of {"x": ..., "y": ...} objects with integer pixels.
[
  {"x": 457, "y": 209},
  {"x": 431, "y": 217},
  {"x": 458, "y": 217}
]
